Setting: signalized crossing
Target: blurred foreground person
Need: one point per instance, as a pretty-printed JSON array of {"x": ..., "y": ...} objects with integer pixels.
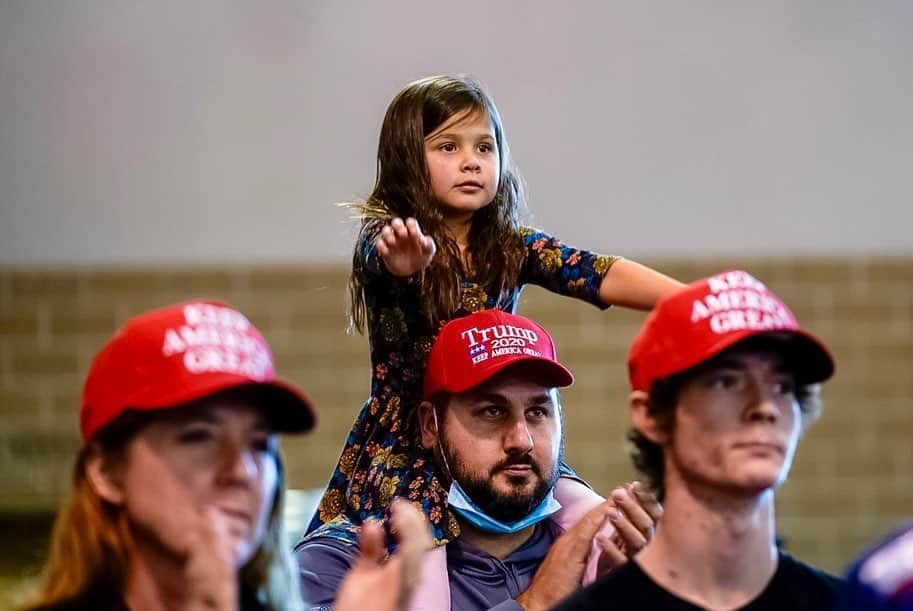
[
  {"x": 177, "y": 490},
  {"x": 881, "y": 579}
]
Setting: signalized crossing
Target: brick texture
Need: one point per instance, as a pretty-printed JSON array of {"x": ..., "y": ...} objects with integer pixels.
[{"x": 852, "y": 478}]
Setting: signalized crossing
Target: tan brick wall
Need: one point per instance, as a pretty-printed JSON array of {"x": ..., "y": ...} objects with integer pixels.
[{"x": 853, "y": 477}]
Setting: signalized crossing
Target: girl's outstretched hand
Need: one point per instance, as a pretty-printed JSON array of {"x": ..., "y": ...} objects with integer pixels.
[{"x": 404, "y": 248}]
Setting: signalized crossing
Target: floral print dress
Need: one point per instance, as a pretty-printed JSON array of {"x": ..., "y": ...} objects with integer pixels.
[{"x": 382, "y": 457}]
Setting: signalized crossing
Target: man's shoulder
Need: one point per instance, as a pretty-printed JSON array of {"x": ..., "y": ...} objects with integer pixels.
[
  {"x": 800, "y": 586},
  {"x": 325, "y": 546},
  {"x": 324, "y": 557},
  {"x": 796, "y": 586},
  {"x": 624, "y": 586},
  {"x": 620, "y": 579},
  {"x": 801, "y": 572}
]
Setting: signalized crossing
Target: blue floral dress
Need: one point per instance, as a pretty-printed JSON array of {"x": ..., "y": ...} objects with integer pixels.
[{"x": 382, "y": 457}]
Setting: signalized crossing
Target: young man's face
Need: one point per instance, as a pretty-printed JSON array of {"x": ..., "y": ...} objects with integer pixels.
[
  {"x": 502, "y": 443},
  {"x": 736, "y": 425}
]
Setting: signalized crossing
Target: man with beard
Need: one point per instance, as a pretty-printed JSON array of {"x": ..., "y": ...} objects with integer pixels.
[
  {"x": 724, "y": 383},
  {"x": 491, "y": 421}
]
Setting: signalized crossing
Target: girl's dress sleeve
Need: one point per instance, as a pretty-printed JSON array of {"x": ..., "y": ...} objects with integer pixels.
[
  {"x": 367, "y": 248},
  {"x": 563, "y": 269}
]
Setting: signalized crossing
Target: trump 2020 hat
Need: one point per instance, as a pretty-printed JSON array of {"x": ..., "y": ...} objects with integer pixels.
[
  {"x": 470, "y": 350},
  {"x": 708, "y": 316},
  {"x": 174, "y": 355}
]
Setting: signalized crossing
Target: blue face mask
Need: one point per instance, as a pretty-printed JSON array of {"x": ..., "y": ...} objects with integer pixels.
[{"x": 460, "y": 502}]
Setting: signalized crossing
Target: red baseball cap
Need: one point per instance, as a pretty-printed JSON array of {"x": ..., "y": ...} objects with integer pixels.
[
  {"x": 708, "y": 316},
  {"x": 174, "y": 355},
  {"x": 472, "y": 349}
]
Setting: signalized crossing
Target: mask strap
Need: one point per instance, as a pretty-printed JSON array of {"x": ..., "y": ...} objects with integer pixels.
[{"x": 437, "y": 430}]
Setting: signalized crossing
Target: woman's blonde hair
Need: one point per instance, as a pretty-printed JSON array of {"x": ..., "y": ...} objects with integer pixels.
[{"x": 91, "y": 542}]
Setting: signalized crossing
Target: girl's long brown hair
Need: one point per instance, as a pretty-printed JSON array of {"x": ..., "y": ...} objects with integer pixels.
[
  {"x": 91, "y": 542},
  {"x": 403, "y": 189}
]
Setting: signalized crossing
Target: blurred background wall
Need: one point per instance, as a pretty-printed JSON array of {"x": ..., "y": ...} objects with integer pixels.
[{"x": 151, "y": 152}]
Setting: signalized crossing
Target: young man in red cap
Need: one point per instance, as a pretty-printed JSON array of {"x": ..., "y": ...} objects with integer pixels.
[
  {"x": 177, "y": 491},
  {"x": 724, "y": 382},
  {"x": 491, "y": 422}
]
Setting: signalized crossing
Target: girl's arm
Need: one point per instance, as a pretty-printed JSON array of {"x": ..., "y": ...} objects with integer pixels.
[
  {"x": 631, "y": 285},
  {"x": 598, "y": 279}
]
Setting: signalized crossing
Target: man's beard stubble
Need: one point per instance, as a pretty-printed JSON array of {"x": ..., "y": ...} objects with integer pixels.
[{"x": 508, "y": 507}]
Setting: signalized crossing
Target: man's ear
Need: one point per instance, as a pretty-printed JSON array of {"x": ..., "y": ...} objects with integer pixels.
[
  {"x": 104, "y": 476},
  {"x": 641, "y": 419},
  {"x": 428, "y": 425}
]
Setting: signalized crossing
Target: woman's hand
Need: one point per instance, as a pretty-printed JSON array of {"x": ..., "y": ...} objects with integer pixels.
[{"x": 386, "y": 586}]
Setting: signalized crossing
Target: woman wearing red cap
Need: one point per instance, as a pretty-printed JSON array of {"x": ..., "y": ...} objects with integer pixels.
[{"x": 177, "y": 490}]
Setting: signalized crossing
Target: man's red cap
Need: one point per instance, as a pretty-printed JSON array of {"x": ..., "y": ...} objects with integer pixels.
[
  {"x": 171, "y": 356},
  {"x": 470, "y": 350},
  {"x": 706, "y": 317}
]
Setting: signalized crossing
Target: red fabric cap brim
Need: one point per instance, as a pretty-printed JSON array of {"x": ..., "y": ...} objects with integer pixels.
[
  {"x": 289, "y": 410},
  {"x": 549, "y": 373},
  {"x": 808, "y": 359}
]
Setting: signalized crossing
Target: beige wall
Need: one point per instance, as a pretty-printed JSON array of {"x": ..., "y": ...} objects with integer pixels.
[
  {"x": 851, "y": 481},
  {"x": 175, "y": 132}
]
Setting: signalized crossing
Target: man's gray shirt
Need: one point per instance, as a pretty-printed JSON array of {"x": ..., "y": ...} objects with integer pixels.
[{"x": 478, "y": 581}]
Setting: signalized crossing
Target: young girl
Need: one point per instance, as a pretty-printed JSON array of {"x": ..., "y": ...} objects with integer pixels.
[{"x": 443, "y": 165}]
